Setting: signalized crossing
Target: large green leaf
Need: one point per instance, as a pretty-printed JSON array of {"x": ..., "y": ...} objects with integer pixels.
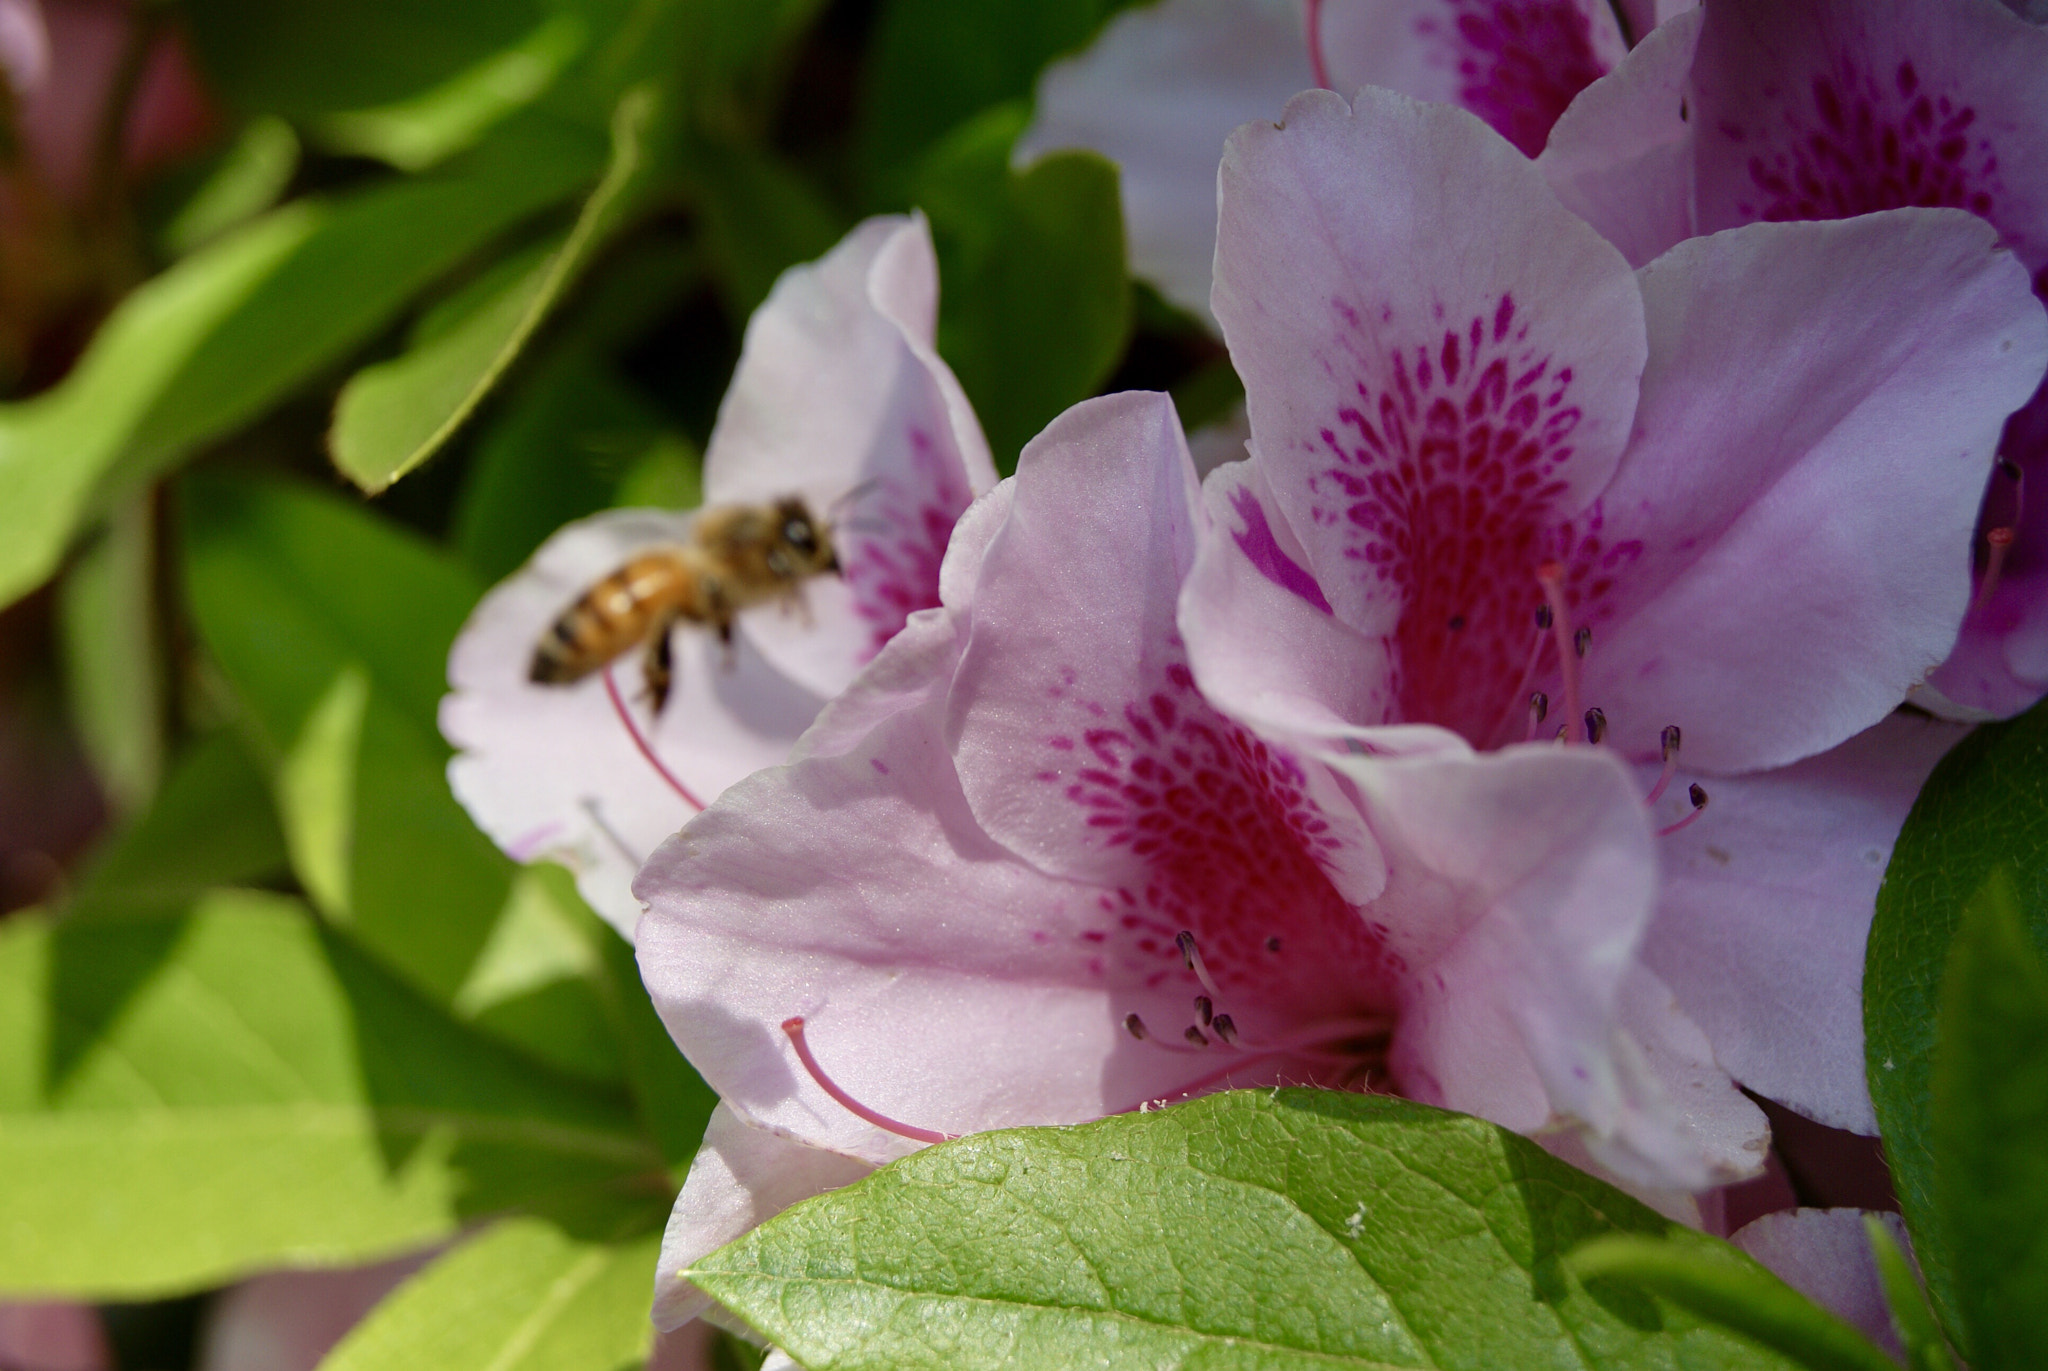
[
  {"x": 760, "y": 216},
  {"x": 397, "y": 414},
  {"x": 1034, "y": 306},
  {"x": 305, "y": 56},
  {"x": 1276, "y": 1229},
  {"x": 1985, "y": 806},
  {"x": 522, "y": 1296},
  {"x": 113, "y": 675},
  {"x": 935, "y": 63},
  {"x": 222, "y": 336},
  {"x": 212, "y": 824},
  {"x": 333, "y": 626},
  {"x": 185, "y": 1099},
  {"x": 1991, "y": 1131}
]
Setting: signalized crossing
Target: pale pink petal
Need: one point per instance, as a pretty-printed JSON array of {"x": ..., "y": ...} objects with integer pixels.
[
  {"x": 1825, "y": 1255},
  {"x": 944, "y": 982},
  {"x": 1263, "y": 642},
  {"x": 839, "y": 398},
  {"x": 1065, "y": 685},
  {"x": 685, "y": 1348},
  {"x": 1439, "y": 367},
  {"x": 1838, "y": 107},
  {"x": 1519, "y": 885},
  {"x": 1157, "y": 94},
  {"x": 1765, "y": 906},
  {"x": 24, "y": 46},
  {"x": 741, "y": 1177},
  {"x": 53, "y": 1337},
  {"x": 1785, "y": 548},
  {"x": 290, "y": 1320},
  {"x": 1514, "y": 63},
  {"x": 1621, "y": 156},
  {"x": 551, "y": 771}
]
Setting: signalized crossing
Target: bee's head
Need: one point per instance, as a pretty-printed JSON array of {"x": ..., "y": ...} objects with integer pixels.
[{"x": 808, "y": 541}]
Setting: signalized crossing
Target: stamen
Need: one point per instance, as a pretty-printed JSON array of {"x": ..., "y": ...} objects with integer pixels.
[
  {"x": 1539, "y": 709},
  {"x": 1192, "y": 955},
  {"x": 1580, "y": 640},
  {"x": 1205, "y": 1009},
  {"x": 1997, "y": 543},
  {"x": 794, "y": 1027},
  {"x": 1698, "y": 795},
  {"x": 1596, "y": 725},
  {"x": 1570, "y": 647},
  {"x": 1194, "y": 1035},
  {"x": 1273, "y": 943},
  {"x": 1543, "y": 618},
  {"x": 1670, "y": 739},
  {"x": 1318, "y": 72},
  {"x": 1135, "y": 1026},
  {"x": 1226, "y": 1029},
  {"x": 611, "y": 688}
]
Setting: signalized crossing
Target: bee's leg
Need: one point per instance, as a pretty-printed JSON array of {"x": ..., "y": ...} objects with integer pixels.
[
  {"x": 657, "y": 664},
  {"x": 799, "y": 604},
  {"x": 718, "y": 612}
]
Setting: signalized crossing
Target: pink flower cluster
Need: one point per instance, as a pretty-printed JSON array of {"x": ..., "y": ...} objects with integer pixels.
[{"x": 1633, "y": 430}]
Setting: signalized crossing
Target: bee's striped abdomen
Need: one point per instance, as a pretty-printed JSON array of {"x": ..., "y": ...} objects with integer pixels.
[{"x": 611, "y": 617}]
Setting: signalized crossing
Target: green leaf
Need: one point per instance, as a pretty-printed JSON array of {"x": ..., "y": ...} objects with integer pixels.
[
  {"x": 521, "y": 1296},
  {"x": 556, "y": 451},
  {"x": 1991, "y": 1131},
  {"x": 212, "y": 824},
  {"x": 1728, "y": 1289},
  {"x": 934, "y": 63},
  {"x": 1912, "y": 1320},
  {"x": 229, "y": 331},
  {"x": 430, "y": 127},
  {"x": 249, "y": 180},
  {"x": 760, "y": 216},
  {"x": 1268, "y": 1229},
  {"x": 1034, "y": 306},
  {"x": 292, "y": 592},
  {"x": 397, "y": 414},
  {"x": 107, "y": 620},
  {"x": 1985, "y": 806},
  {"x": 186, "y": 1099},
  {"x": 299, "y": 57}
]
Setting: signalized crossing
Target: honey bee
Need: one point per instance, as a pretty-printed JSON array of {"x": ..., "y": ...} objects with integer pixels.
[{"x": 737, "y": 556}]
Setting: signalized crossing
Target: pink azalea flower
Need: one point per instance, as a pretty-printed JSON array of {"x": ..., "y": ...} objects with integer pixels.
[
  {"x": 51, "y": 1336},
  {"x": 1498, "y": 478},
  {"x": 839, "y": 398},
  {"x": 1757, "y": 110},
  {"x": 1023, "y": 872},
  {"x": 1165, "y": 84}
]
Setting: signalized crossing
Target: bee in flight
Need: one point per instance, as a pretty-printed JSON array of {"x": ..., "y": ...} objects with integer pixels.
[{"x": 737, "y": 556}]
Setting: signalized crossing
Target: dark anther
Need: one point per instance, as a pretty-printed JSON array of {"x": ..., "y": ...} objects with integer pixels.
[
  {"x": 1543, "y": 618},
  {"x": 1539, "y": 706},
  {"x": 2008, "y": 468},
  {"x": 1185, "y": 941},
  {"x": 1273, "y": 944},
  {"x": 1194, "y": 1035},
  {"x": 1698, "y": 795},
  {"x": 1226, "y": 1028},
  {"x": 1457, "y": 622},
  {"x": 1671, "y": 737},
  {"x": 1596, "y": 724},
  {"x": 1580, "y": 639},
  {"x": 1205, "y": 1010},
  {"x": 1135, "y": 1026}
]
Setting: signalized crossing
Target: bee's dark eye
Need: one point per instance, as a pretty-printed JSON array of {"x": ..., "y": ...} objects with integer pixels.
[{"x": 798, "y": 535}]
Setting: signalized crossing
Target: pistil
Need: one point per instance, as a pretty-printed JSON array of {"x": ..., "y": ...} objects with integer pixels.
[
  {"x": 794, "y": 1027},
  {"x": 611, "y": 688}
]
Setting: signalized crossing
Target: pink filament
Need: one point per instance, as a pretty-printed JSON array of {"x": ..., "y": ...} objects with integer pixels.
[
  {"x": 1318, "y": 71},
  {"x": 611, "y": 688},
  {"x": 1551, "y": 576},
  {"x": 1997, "y": 543},
  {"x": 1664, "y": 780},
  {"x": 794, "y": 1027}
]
